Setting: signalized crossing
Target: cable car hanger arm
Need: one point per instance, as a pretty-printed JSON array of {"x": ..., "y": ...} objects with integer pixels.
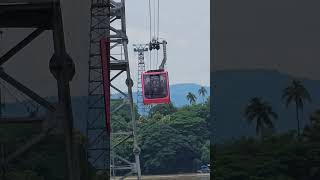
[{"x": 164, "y": 60}]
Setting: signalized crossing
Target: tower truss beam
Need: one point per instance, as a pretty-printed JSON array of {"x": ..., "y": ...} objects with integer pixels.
[{"x": 108, "y": 22}]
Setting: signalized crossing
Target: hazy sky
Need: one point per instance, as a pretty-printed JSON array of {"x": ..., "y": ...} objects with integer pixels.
[
  {"x": 186, "y": 27},
  {"x": 183, "y": 23},
  {"x": 282, "y": 35}
]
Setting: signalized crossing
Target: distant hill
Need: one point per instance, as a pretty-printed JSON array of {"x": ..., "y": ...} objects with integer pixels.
[
  {"x": 178, "y": 94},
  {"x": 233, "y": 89}
]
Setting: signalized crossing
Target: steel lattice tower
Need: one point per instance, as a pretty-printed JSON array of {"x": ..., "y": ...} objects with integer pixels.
[
  {"x": 140, "y": 49},
  {"x": 41, "y": 16},
  {"x": 97, "y": 146},
  {"x": 108, "y": 21}
]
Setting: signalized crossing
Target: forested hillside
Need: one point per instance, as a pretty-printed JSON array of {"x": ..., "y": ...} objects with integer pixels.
[{"x": 172, "y": 140}]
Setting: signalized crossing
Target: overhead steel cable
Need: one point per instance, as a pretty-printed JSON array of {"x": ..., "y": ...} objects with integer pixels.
[
  {"x": 158, "y": 27},
  {"x": 154, "y": 19},
  {"x": 154, "y": 33},
  {"x": 150, "y": 20},
  {"x": 150, "y": 32}
]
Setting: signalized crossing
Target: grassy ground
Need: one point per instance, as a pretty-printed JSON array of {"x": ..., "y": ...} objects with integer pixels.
[{"x": 175, "y": 177}]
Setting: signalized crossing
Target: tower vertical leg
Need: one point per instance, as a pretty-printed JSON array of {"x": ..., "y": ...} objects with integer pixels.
[{"x": 62, "y": 68}]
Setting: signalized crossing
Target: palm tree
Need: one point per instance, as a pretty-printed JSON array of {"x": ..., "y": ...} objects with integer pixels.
[
  {"x": 296, "y": 93},
  {"x": 261, "y": 112},
  {"x": 202, "y": 92},
  {"x": 311, "y": 131},
  {"x": 191, "y": 98}
]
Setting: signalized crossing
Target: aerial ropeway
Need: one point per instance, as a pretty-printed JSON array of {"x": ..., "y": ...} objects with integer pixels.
[{"x": 155, "y": 83}]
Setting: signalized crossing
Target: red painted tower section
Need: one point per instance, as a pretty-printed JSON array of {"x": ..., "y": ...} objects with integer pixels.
[{"x": 105, "y": 63}]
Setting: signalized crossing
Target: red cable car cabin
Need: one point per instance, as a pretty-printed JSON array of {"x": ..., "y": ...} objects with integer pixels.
[{"x": 155, "y": 87}]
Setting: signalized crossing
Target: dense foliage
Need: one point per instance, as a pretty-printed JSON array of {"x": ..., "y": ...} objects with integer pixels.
[
  {"x": 171, "y": 139},
  {"x": 275, "y": 156},
  {"x": 281, "y": 156},
  {"x": 177, "y": 141},
  {"x": 34, "y": 164}
]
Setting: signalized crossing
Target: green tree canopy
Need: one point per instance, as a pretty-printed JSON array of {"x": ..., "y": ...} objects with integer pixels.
[
  {"x": 261, "y": 112},
  {"x": 164, "y": 109},
  {"x": 176, "y": 142}
]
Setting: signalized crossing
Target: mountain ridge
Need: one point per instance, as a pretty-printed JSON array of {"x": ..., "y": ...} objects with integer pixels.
[{"x": 234, "y": 88}]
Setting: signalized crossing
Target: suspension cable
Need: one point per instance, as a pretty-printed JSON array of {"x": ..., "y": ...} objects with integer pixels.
[
  {"x": 154, "y": 58},
  {"x": 150, "y": 19},
  {"x": 154, "y": 19},
  {"x": 157, "y": 58},
  {"x": 154, "y": 28},
  {"x": 149, "y": 60},
  {"x": 158, "y": 19},
  {"x": 158, "y": 27},
  {"x": 150, "y": 26}
]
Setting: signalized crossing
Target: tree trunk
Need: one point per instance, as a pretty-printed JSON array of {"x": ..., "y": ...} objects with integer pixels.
[{"x": 297, "y": 114}]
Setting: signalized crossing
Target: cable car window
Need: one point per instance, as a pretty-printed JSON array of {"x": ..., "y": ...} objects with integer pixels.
[{"x": 155, "y": 86}]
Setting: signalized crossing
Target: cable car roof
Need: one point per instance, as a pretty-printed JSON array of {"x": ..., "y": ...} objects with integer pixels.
[{"x": 155, "y": 71}]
